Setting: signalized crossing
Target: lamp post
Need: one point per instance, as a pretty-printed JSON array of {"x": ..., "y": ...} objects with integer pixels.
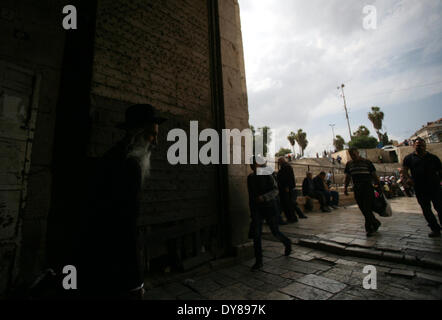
[
  {"x": 345, "y": 107},
  {"x": 333, "y": 130}
]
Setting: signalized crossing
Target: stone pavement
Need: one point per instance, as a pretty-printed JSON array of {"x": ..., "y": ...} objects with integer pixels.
[
  {"x": 314, "y": 272},
  {"x": 404, "y": 236}
]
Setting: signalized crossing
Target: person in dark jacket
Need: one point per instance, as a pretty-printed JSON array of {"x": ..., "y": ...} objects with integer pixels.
[
  {"x": 109, "y": 255},
  {"x": 287, "y": 184},
  {"x": 308, "y": 191},
  {"x": 331, "y": 197},
  {"x": 426, "y": 175},
  {"x": 281, "y": 221},
  {"x": 263, "y": 192}
]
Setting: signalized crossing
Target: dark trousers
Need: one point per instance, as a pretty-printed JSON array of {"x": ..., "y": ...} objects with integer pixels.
[
  {"x": 332, "y": 198},
  {"x": 318, "y": 196},
  {"x": 425, "y": 198},
  {"x": 287, "y": 205},
  {"x": 364, "y": 196},
  {"x": 269, "y": 213}
]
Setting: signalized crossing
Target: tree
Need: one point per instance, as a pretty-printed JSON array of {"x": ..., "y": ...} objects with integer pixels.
[
  {"x": 283, "y": 152},
  {"x": 376, "y": 117},
  {"x": 339, "y": 143},
  {"x": 386, "y": 140},
  {"x": 292, "y": 139},
  {"x": 363, "y": 142},
  {"x": 301, "y": 139},
  {"x": 362, "y": 131},
  {"x": 262, "y": 139},
  {"x": 252, "y": 128}
]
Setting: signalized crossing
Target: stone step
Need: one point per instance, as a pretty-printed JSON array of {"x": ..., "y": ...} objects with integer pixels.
[{"x": 343, "y": 249}]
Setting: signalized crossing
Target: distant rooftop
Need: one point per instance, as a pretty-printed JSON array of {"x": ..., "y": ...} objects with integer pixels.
[{"x": 433, "y": 124}]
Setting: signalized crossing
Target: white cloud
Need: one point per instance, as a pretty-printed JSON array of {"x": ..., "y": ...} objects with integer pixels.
[{"x": 298, "y": 52}]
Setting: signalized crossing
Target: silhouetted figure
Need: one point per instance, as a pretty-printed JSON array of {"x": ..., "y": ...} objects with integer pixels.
[
  {"x": 263, "y": 192},
  {"x": 308, "y": 191},
  {"x": 281, "y": 221},
  {"x": 286, "y": 185},
  {"x": 363, "y": 174},
  {"x": 331, "y": 197},
  {"x": 109, "y": 255},
  {"x": 426, "y": 173}
]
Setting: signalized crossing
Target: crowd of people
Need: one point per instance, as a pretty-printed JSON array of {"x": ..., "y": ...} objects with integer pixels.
[
  {"x": 272, "y": 195},
  {"x": 277, "y": 193},
  {"x": 393, "y": 187}
]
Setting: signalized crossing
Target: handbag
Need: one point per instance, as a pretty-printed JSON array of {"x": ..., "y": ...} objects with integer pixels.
[{"x": 381, "y": 205}]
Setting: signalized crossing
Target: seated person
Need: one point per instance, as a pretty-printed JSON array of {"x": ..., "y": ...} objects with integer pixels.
[
  {"x": 308, "y": 191},
  {"x": 405, "y": 184},
  {"x": 331, "y": 197},
  {"x": 394, "y": 187}
]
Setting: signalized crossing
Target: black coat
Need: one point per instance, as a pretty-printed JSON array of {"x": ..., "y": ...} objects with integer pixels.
[
  {"x": 286, "y": 177},
  {"x": 307, "y": 187},
  {"x": 318, "y": 184},
  {"x": 109, "y": 254}
]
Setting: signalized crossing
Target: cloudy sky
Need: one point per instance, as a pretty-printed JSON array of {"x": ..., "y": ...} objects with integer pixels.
[{"x": 298, "y": 52}]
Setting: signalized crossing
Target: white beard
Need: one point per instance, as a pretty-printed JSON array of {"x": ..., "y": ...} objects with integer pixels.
[{"x": 142, "y": 152}]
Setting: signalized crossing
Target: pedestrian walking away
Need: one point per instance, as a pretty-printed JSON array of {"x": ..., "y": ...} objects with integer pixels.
[
  {"x": 363, "y": 173},
  {"x": 263, "y": 192}
]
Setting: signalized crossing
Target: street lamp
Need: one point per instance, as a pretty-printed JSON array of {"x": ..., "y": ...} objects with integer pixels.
[
  {"x": 333, "y": 130},
  {"x": 345, "y": 107}
]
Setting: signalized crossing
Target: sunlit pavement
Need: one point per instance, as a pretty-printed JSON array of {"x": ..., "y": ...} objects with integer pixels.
[{"x": 310, "y": 273}]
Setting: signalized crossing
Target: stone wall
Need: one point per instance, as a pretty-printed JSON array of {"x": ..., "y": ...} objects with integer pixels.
[
  {"x": 26, "y": 29},
  {"x": 434, "y": 148},
  {"x": 370, "y": 154},
  {"x": 158, "y": 52},
  {"x": 236, "y": 110}
]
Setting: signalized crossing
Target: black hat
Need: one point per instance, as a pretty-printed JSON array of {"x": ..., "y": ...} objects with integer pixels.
[{"x": 139, "y": 116}]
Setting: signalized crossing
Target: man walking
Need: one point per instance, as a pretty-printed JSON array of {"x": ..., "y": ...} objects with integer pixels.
[
  {"x": 287, "y": 184},
  {"x": 263, "y": 192},
  {"x": 363, "y": 174},
  {"x": 109, "y": 255},
  {"x": 426, "y": 176}
]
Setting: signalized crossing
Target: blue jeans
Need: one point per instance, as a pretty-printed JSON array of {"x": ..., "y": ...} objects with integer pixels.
[
  {"x": 268, "y": 212},
  {"x": 331, "y": 197}
]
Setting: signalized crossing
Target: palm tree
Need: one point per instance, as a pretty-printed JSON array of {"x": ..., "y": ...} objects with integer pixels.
[
  {"x": 301, "y": 138},
  {"x": 339, "y": 143},
  {"x": 376, "y": 117},
  {"x": 252, "y": 128},
  {"x": 292, "y": 140},
  {"x": 266, "y": 133},
  {"x": 362, "y": 131}
]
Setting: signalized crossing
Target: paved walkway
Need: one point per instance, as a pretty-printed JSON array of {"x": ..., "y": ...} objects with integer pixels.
[
  {"x": 406, "y": 232},
  {"x": 314, "y": 274}
]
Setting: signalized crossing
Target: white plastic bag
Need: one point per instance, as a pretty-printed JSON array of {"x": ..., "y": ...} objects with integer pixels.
[{"x": 388, "y": 211}]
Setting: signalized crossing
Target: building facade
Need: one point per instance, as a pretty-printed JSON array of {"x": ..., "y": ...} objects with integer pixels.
[
  {"x": 63, "y": 92},
  {"x": 431, "y": 133}
]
